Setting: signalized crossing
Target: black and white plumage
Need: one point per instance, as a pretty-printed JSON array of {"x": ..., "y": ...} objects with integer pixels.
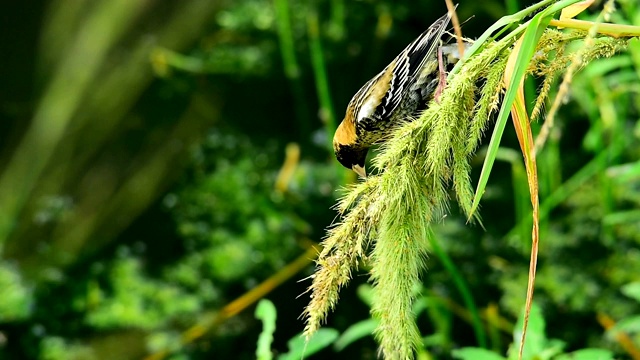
[{"x": 394, "y": 95}]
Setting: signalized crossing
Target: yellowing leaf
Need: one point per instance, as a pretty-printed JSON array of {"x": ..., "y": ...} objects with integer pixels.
[{"x": 572, "y": 11}]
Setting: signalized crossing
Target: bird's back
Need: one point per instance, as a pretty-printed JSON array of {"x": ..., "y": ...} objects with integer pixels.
[{"x": 402, "y": 88}]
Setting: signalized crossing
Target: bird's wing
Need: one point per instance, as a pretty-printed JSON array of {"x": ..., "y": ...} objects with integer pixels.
[{"x": 392, "y": 83}]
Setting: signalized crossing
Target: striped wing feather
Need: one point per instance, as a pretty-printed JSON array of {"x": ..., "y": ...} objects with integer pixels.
[{"x": 381, "y": 101}]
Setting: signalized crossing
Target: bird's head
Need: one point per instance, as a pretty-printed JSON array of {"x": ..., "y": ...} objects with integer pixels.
[{"x": 348, "y": 153}]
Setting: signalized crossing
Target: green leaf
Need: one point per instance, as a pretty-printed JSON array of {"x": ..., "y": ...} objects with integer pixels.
[
  {"x": 628, "y": 325},
  {"x": 299, "y": 348},
  {"x": 536, "y": 340},
  {"x": 621, "y": 218},
  {"x": 502, "y": 23},
  {"x": 632, "y": 290},
  {"x": 530, "y": 39},
  {"x": 471, "y": 353},
  {"x": 365, "y": 293},
  {"x": 587, "y": 354},
  {"x": 600, "y": 67},
  {"x": 266, "y": 312},
  {"x": 634, "y": 51},
  {"x": 436, "y": 339},
  {"x": 533, "y": 31},
  {"x": 355, "y": 332}
]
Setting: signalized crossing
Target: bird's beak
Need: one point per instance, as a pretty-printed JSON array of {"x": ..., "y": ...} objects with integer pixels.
[{"x": 360, "y": 170}]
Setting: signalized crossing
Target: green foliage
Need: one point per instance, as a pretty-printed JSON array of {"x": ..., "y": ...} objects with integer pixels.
[
  {"x": 230, "y": 216},
  {"x": 17, "y": 297},
  {"x": 232, "y": 229},
  {"x": 537, "y": 346},
  {"x": 356, "y": 332},
  {"x": 56, "y": 348},
  {"x": 300, "y": 347},
  {"x": 416, "y": 172},
  {"x": 140, "y": 302},
  {"x": 476, "y": 354},
  {"x": 395, "y": 208},
  {"x": 266, "y": 312},
  {"x": 632, "y": 290},
  {"x": 128, "y": 224},
  {"x": 631, "y": 324}
]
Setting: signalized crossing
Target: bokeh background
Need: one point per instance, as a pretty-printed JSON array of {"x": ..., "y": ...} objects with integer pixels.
[{"x": 159, "y": 159}]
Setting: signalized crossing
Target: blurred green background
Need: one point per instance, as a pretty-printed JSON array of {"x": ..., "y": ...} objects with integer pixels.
[{"x": 160, "y": 159}]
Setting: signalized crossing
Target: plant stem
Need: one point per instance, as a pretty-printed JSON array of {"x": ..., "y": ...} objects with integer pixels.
[{"x": 462, "y": 287}]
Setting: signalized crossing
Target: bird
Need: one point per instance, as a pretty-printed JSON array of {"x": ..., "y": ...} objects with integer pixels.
[{"x": 396, "y": 94}]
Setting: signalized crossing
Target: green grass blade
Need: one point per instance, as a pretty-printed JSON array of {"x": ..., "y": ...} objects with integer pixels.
[
  {"x": 320, "y": 74},
  {"x": 462, "y": 287},
  {"x": 266, "y": 312},
  {"x": 530, "y": 38},
  {"x": 504, "y": 21}
]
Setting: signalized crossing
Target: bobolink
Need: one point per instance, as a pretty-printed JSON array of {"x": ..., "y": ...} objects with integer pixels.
[{"x": 398, "y": 93}]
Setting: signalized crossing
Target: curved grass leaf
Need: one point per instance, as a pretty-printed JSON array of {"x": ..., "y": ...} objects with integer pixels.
[
  {"x": 301, "y": 347},
  {"x": 266, "y": 312}
]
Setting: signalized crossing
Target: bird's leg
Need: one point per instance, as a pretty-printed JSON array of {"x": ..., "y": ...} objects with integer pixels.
[{"x": 442, "y": 76}]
